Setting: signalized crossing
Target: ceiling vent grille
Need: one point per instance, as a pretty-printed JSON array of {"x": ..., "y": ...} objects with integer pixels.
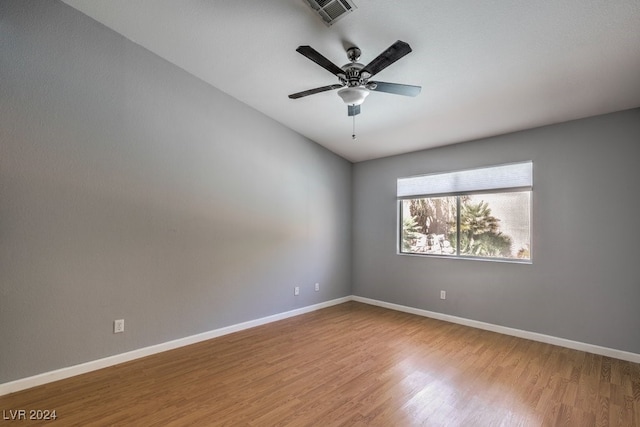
[{"x": 332, "y": 10}]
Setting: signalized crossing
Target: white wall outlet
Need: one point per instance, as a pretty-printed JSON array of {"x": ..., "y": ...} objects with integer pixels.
[
  {"x": 118, "y": 326},
  {"x": 317, "y": 287},
  {"x": 443, "y": 294},
  {"x": 296, "y": 290}
]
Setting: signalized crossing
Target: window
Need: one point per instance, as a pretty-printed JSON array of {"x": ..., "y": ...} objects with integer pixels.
[{"x": 479, "y": 213}]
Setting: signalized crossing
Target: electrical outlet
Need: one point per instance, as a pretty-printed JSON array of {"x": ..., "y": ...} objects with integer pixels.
[
  {"x": 296, "y": 290},
  {"x": 118, "y": 326},
  {"x": 317, "y": 287},
  {"x": 443, "y": 294}
]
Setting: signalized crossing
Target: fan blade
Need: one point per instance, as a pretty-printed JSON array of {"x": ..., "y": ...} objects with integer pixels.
[
  {"x": 395, "y": 88},
  {"x": 317, "y": 57},
  {"x": 312, "y": 91},
  {"x": 388, "y": 57},
  {"x": 353, "y": 110}
]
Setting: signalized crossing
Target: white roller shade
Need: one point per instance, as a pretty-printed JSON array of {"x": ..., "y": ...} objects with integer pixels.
[{"x": 503, "y": 177}]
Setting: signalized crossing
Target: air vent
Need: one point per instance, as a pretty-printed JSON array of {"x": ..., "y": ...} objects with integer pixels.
[{"x": 332, "y": 10}]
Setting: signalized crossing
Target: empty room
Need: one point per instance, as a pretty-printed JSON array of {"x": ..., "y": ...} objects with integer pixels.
[{"x": 319, "y": 212}]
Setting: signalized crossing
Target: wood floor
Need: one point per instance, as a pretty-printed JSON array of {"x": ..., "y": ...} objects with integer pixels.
[{"x": 351, "y": 365}]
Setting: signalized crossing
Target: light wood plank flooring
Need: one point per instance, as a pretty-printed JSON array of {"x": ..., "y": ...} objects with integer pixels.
[{"x": 351, "y": 365}]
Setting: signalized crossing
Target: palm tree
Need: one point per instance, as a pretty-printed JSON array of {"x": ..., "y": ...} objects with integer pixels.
[{"x": 479, "y": 232}]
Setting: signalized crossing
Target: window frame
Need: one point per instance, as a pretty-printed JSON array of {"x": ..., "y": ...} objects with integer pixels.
[{"x": 458, "y": 195}]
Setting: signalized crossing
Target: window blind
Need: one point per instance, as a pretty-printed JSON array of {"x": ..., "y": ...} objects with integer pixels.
[{"x": 502, "y": 177}]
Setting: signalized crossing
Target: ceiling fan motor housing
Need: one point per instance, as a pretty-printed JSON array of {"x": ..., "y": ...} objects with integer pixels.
[{"x": 352, "y": 75}]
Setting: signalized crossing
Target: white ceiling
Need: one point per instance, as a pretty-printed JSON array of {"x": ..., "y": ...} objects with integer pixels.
[{"x": 485, "y": 67}]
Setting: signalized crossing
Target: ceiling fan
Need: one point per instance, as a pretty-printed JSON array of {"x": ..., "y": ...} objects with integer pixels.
[{"x": 354, "y": 83}]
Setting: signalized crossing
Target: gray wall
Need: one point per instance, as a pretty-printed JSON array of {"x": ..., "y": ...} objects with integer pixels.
[
  {"x": 583, "y": 284},
  {"x": 130, "y": 189}
]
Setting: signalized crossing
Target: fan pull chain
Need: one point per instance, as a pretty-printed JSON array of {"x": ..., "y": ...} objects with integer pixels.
[{"x": 353, "y": 134}]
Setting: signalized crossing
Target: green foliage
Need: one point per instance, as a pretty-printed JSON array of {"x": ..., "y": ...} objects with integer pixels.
[
  {"x": 479, "y": 232},
  {"x": 410, "y": 230},
  {"x": 486, "y": 245}
]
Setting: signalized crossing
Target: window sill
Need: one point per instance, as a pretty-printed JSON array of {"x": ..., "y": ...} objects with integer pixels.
[{"x": 468, "y": 258}]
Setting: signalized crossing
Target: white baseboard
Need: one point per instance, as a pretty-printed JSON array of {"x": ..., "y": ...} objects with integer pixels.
[
  {"x": 94, "y": 365},
  {"x": 534, "y": 336}
]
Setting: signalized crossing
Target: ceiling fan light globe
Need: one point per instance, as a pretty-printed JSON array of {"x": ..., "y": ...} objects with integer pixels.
[{"x": 353, "y": 95}]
